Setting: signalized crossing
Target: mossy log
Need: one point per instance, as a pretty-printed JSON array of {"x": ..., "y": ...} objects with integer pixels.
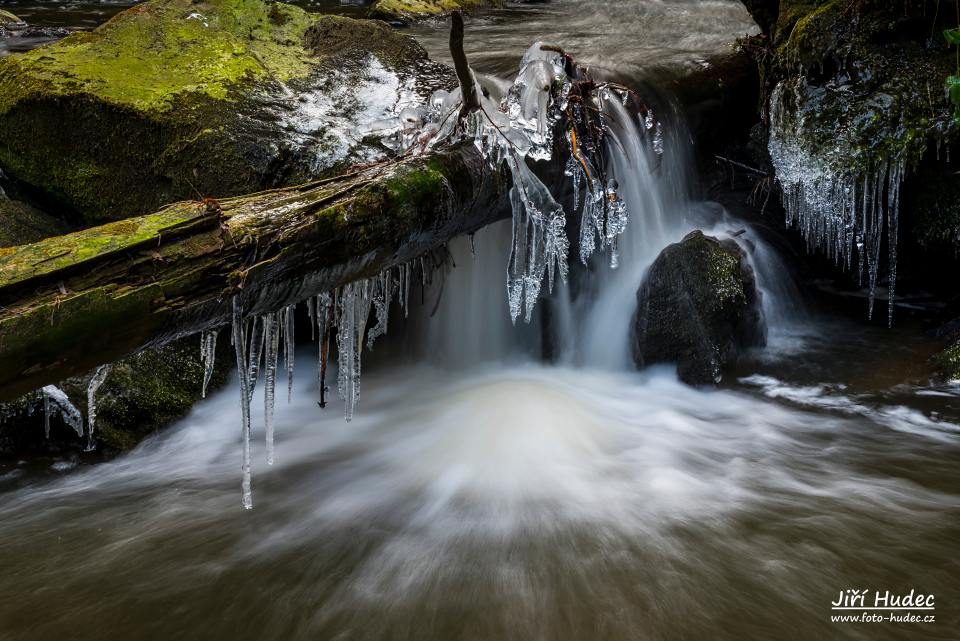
[{"x": 72, "y": 302}]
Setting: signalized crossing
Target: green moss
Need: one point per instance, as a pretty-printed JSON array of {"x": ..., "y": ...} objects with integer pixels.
[
  {"x": 147, "y": 56},
  {"x": 141, "y": 394},
  {"x": 724, "y": 274},
  {"x": 415, "y": 9},
  {"x": 948, "y": 362},
  {"x": 810, "y": 26},
  {"x": 120, "y": 121}
]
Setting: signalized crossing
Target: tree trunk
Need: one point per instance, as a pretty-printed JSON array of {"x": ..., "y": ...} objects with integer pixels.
[{"x": 72, "y": 302}]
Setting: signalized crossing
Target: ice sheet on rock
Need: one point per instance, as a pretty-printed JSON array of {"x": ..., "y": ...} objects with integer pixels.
[
  {"x": 332, "y": 124},
  {"x": 55, "y": 401}
]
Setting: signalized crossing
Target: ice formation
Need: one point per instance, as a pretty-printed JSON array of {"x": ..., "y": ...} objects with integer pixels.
[
  {"x": 241, "y": 347},
  {"x": 513, "y": 124},
  {"x": 516, "y": 123},
  {"x": 257, "y": 341},
  {"x": 55, "y": 401},
  {"x": 99, "y": 376},
  {"x": 840, "y": 200},
  {"x": 208, "y": 355}
]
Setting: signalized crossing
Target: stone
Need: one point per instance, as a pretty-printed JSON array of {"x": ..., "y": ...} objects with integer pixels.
[
  {"x": 178, "y": 99},
  {"x": 698, "y": 307}
]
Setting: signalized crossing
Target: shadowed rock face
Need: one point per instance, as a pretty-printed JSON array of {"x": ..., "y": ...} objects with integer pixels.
[
  {"x": 699, "y": 308},
  {"x": 175, "y": 98}
]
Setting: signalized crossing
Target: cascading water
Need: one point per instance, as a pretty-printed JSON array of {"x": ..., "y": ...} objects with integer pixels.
[{"x": 630, "y": 198}]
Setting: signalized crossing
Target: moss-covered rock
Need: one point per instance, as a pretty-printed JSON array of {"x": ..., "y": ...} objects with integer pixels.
[
  {"x": 410, "y": 10},
  {"x": 21, "y": 223},
  {"x": 698, "y": 307},
  {"x": 948, "y": 362},
  {"x": 141, "y": 394},
  {"x": 175, "y": 98},
  {"x": 860, "y": 82}
]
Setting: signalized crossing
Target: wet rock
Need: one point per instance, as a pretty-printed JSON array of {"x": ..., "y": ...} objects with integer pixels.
[
  {"x": 410, "y": 10},
  {"x": 142, "y": 394},
  {"x": 10, "y": 19},
  {"x": 172, "y": 99},
  {"x": 764, "y": 13},
  {"x": 698, "y": 307}
]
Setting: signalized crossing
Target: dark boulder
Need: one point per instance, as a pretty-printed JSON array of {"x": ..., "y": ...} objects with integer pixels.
[{"x": 698, "y": 307}]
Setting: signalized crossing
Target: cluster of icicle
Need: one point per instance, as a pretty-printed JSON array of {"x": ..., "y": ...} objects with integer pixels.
[
  {"x": 515, "y": 123},
  {"x": 56, "y": 403},
  {"x": 844, "y": 212},
  {"x": 257, "y": 340}
]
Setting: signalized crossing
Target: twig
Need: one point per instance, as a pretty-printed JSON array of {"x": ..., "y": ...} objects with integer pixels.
[
  {"x": 468, "y": 88},
  {"x": 740, "y": 165}
]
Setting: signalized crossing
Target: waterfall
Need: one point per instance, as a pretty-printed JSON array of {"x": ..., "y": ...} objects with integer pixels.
[{"x": 631, "y": 197}]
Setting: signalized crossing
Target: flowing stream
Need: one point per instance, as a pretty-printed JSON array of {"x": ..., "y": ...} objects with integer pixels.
[{"x": 506, "y": 482}]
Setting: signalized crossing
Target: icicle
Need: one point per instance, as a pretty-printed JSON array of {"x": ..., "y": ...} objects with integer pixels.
[
  {"x": 99, "y": 377},
  {"x": 271, "y": 330},
  {"x": 840, "y": 203},
  {"x": 46, "y": 415},
  {"x": 893, "y": 224},
  {"x": 312, "y": 314},
  {"x": 407, "y": 274},
  {"x": 239, "y": 335},
  {"x": 256, "y": 336},
  {"x": 382, "y": 285},
  {"x": 289, "y": 346},
  {"x": 540, "y": 244},
  {"x": 325, "y": 316},
  {"x": 351, "y": 326},
  {"x": 208, "y": 354}
]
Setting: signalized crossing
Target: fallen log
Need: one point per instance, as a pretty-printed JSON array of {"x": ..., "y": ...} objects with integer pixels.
[{"x": 72, "y": 302}]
